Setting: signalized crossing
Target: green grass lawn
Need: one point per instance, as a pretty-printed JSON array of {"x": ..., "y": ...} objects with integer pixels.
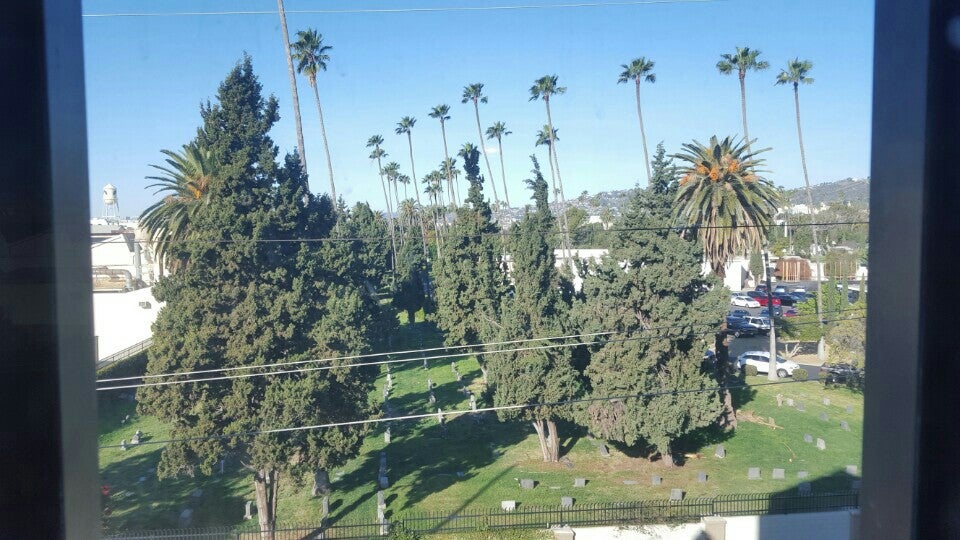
[{"x": 477, "y": 464}]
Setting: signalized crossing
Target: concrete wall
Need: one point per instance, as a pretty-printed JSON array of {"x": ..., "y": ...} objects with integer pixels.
[{"x": 119, "y": 321}]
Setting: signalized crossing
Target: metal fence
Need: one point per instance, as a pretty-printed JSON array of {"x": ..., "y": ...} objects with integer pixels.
[
  {"x": 538, "y": 517},
  {"x": 123, "y": 354}
]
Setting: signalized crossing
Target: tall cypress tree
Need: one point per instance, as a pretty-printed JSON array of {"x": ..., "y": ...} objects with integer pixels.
[
  {"x": 535, "y": 309},
  {"x": 651, "y": 279},
  {"x": 245, "y": 300},
  {"x": 470, "y": 279}
]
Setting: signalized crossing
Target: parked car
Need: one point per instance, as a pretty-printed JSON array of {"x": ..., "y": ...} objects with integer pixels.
[
  {"x": 761, "y": 361},
  {"x": 762, "y": 324},
  {"x": 743, "y": 300},
  {"x": 779, "y": 289},
  {"x": 790, "y": 313},
  {"x": 739, "y": 313},
  {"x": 801, "y": 290},
  {"x": 761, "y": 288},
  {"x": 739, "y": 327},
  {"x": 842, "y": 373},
  {"x": 777, "y": 312},
  {"x": 761, "y": 298},
  {"x": 786, "y": 299}
]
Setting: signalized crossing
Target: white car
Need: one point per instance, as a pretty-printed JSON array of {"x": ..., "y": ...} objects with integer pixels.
[
  {"x": 743, "y": 300},
  {"x": 761, "y": 361}
]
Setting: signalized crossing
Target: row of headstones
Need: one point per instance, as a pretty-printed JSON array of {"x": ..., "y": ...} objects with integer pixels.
[
  {"x": 800, "y": 407},
  {"x": 383, "y": 484},
  {"x": 134, "y": 441}
]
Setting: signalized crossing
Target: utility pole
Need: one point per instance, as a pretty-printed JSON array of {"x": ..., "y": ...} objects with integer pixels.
[{"x": 772, "y": 368}]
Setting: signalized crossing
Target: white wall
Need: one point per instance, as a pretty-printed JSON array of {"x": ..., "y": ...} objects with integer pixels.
[{"x": 119, "y": 321}]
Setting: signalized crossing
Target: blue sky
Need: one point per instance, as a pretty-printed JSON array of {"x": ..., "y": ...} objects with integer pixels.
[{"x": 146, "y": 76}]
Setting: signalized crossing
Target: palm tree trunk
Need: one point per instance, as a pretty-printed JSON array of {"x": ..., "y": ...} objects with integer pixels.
[
  {"x": 293, "y": 89},
  {"x": 503, "y": 173},
  {"x": 393, "y": 236},
  {"x": 483, "y": 150},
  {"x": 563, "y": 198},
  {"x": 806, "y": 182},
  {"x": 396, "y": 197},
  {"x": 643, "y": 136},
  {"x": 743, "y": 107},
  {"x": 413, "y": 173},
  {"x": 326, "y": 146},
  {"x": 446, "y": 155}
]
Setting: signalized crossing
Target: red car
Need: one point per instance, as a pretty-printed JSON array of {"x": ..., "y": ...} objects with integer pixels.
[{"x": 762, "y": 298}]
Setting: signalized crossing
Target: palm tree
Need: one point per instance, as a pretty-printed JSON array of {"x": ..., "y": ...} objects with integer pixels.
[
  {"x": 375, "y": 142},
  {"x": 311, "y": 56},
  {"x": 450, "y": 165},
  {"x": 743, "y": 60},
  {"x": 544, "y": 136},
  {"x": 391, "y": 171},
  {"x": 543, "y": 88},
  {"x": 637, "y": 70},
  {"x": 433, "y": 190},
  {"x": 405, "y": 126},
  {"x": 293, "y": 86},
  {"x": 187, "y": 179},
  {"x": 474, "y": 92},
  {"x": 442, "y": 112},
  {"x": 498, "y": 131},
  {"x": 795, "y": 74},
  {"x": 723, "y": 199}
]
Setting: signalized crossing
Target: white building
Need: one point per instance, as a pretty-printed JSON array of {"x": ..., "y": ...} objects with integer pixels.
[{"x": 123, "y": 320}]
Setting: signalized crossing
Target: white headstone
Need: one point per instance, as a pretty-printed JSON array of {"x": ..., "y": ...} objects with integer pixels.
[
  {"x": 821, "y": 445},
  {"x": 778, "y": 474},
  {"x": 381, "y": 500},
  {"x": 433, "y": 399},
  {"x": 800, "y": 407},
  {"x": 824, "y": 417},
  {"x": 526, "y": 483},
  {"x": 849, "y": 409},
  {"x": 566, "y": 502},
  {"x": 844, "y": 425},
  {"x": 656, "y": 480},
  {"x": 247, "y": 510},
  {"x": 852, "y": 470},
  {"x": 429, "y": 384},
  {"x": 603, "y": 450},
  {"x": 386, "y": 436},
  {"x": 753, "y": 473},
  {"x": 826, "y": 401},
  {"x": 579, "y": 482},
  {"x": 789, "y": 402},
  {"x": 676, "y": 494},
  {"x": 508, "y": 506},
  {"x": 808, "y": 438},
  {"x": 473, "y": 402},
  {"x": 721, "y": 451},
  {"x": 802, "y": 474},
  {"x": 701, "y": 477},
  {"x": 123, "y": 444}
]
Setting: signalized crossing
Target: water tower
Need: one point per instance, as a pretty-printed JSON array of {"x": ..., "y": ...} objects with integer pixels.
[{"x": 111, "y": 208}]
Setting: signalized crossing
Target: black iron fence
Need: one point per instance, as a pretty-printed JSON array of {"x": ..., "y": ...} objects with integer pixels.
[{"x": 537, "y": 517}]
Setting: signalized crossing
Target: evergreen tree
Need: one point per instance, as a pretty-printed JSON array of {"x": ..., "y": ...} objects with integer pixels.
[
  {"x": 651, "y": 279},
  {"x": 252, "y": 300},
  {"x": 535, "y": 309},
  {"x": 373, "y": 253},
  {"x": 470, "y": 279},
  {"x": 410, "y": 293}
]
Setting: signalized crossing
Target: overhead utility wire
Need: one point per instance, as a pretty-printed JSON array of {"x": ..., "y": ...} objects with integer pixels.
[
  {"x": 416, "y": 359},
  {"x": 400, "y": 10},
  {"x": 460, "y": 412}
]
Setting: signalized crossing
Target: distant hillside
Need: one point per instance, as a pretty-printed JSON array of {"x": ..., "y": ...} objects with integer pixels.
[{"x": 856, "y": 191}]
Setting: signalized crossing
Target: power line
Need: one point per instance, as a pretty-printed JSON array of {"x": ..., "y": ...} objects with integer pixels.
[
  {"x": 454, "y": 413},
  {"x": 400, "y": 10},
  {"x": 689, "y": 332}
]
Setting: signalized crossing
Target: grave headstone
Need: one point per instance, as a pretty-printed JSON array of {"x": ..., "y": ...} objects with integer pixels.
[
  {"x": 656, "y": 480},
  {"x": 721, "y": 451},
  {"x": 386, "y": 436},
  {"x": 844, "y": 425},
  {"x": 123, "y": 444},
  {"x": 384, "y": 482},
  {"x": 824, "y": 417},
  {"x": 579, "y": 482},
  {"x": 852, "y": 470},
  {"x": 821, "y": 445},
  {"x": 808, "y": 438},
  {"x": 382, "y": 520},
  {"x": 429, "y": 384},
  {"x": 803, "y": 488},
  {"x": 508, "y": 506},
  {"x": 629, "y": 482},
  {"x": 676, "y": 495},
  {"x": 603, "y": 450},
  {"x": 453, "y": 367},
  {"x": 222, "y": 463},
  {"x": 197, "y": 493},
  {"x": 779, "y": 400},
  {"x": 386, "y": 392},
  {"x": 126, "y": 418},
  {"x": 566, "y": 502},
  {"x": 802, "y": 474},
  {"x": 247, "y": 510},
  {"x": 381, "y": 500},
  {"x": 473, "y": 402},
  {"x": 849, "y": 409},
  {"x": 440, "y": 415},
  {"x": 186, "y": 517},
  {"x": 433, "y": 399},
  {"x": 855, "y": 485},
  {"x": 389, "y": 380},
  {"x": 826, "y": 401},
  {"x": 778, "y": 474},
  {"x": 459, "y": 377},
  {"x": 425, "y": 364},
  {"x": 789, "y": 402},
  {"x": 702, "y": 477},
  {"x": 800, "y": 406},
  {"x": 753, "y": 473},
  {"x": 527, "y": 483}
]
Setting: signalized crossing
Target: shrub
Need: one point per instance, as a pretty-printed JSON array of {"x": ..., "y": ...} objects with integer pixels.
[
  {"x": 751, "y": 371},
  {"x": 800, "y": 374},
  {"x": 400, "y": 532}
]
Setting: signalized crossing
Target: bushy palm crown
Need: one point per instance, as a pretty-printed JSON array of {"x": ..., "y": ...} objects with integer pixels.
[
  {"x": 543, "y": 136},
  {"x": 796, "y": 73},
  {"x": 392, "y": 170},
  {"x": 310, "y": 54},
  {"x": 544, "y": 87},
  {"x": 473, "y": 92},
  {"x": 405, "y": 125},
  {"x": 374, "y": 141},
  {"x": 743, "y": 60},
  {"x": 186, "y": 179},
  {"x": 637, "y": 70},
  {"x": 722, "y": 197},
  {"x": 440, "y": 111},
  {"x": 466, "y": 150},
  {"x": 498, "y": 131}
]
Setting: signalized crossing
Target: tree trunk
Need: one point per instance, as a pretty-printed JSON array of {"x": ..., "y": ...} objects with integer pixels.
[
  {"x": 483, "y": 150},
  {"x": 728, "y": 419},
  {"x": 446, "y": 156},
  {"x": 806, "y": 183},
  {"x": 743, "y": 107},
  {"x": 321, "y": 482},
  {"x": 413, "y": 173},
  {"x": 266, "y": 483},
  {"x": 643, "y": 135},
  {"x": 563, "y": 198},
  {"x": 396, "y": 197},
  {"x": 483, "y": 370},
  {"x": 503, "y": 173},
  {"x": 326, "y": 146},
  {"x": 293, "y": 88},
  {"x": 538, "y": 425},
  {"x": 667, "y": 455},
  {"x": 393, "y": 235},
  {"x": 554, "y": 441}
]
